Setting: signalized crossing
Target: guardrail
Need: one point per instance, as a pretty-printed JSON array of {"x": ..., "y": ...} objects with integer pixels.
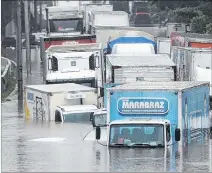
[{"x": 8, "y": 70}]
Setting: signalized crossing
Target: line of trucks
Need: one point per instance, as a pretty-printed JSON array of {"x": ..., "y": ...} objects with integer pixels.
[{"x": 136, "y": 88}]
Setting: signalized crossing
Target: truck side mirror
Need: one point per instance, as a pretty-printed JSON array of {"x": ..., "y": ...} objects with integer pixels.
[
  {"x": 177, "y": 134},
  {"x": 98, "y": 133},
  {"x": 211, "y": 132}
]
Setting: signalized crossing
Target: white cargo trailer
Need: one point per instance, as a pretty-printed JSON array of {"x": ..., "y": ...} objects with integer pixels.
[
  {"x": 193, "y": 64},
  {"x": 41, "y": 101},
  {"x": 122, "y": 69},
  {"x": 89, "y": 8},
  {"x": 163, "y": 45},
  {"x": 107, "y": 18},
  {"x": 172, "y": 27}
]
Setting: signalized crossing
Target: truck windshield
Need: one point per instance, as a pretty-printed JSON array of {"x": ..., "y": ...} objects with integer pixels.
[
  {"x": 65, "y": 25},
  {"x": 151, "y": 135},
  {"x": 78, "y": 117}
]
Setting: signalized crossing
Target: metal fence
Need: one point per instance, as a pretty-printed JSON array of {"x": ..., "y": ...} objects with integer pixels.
[{"x": 8, "y": 69}]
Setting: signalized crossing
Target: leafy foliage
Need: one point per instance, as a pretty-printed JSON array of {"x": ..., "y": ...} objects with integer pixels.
[{"x": 198, "y": 13}]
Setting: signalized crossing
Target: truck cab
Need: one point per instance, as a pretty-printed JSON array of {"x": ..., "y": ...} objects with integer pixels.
[
  {"x": 141, "y": 132},
  {"x": 64, "y": 19},
  {"x": 76, "y": 113}
]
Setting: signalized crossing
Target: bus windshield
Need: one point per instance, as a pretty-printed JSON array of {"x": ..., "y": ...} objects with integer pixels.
[
  {"x": 65, "y": 25},
  {"x": 137, "y": 134}
]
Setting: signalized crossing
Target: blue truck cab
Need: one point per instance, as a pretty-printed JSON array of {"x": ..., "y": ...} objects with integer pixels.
[{"x": 157, "y": 114}]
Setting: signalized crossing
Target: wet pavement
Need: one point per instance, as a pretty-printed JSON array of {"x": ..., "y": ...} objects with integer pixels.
[{"x": 41, "y": 146}]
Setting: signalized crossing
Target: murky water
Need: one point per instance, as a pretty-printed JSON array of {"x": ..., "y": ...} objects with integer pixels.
[{"x": 36, "y": 146}]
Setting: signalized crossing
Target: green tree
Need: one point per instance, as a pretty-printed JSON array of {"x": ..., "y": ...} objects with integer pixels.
[
  {"x": 209, "y": 28},
  {"x": 184, "y": 15},
  {"x": 198, "y": 24}
]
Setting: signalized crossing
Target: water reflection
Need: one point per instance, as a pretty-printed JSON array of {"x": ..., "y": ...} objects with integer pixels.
[
  {"x": 21, "y": 154},
  {"x": 196, "y": 157}
]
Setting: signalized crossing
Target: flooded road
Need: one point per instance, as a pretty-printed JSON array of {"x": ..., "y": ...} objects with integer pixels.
[{"x": 36, "y": 146}]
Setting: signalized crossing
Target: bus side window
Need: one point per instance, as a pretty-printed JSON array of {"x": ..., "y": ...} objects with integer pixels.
[{"x": 168, "y": 133}]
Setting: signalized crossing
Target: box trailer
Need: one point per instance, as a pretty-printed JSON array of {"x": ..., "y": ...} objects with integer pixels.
[
  {"x": 89, "y": 8},
  {"x": 157, "y": 114},
  {"x": 64, "y": 19},
  {"x": 41, "y": 101},
  {"x": 175, "y": 27},
  {"x": 122, "y": 69},
  {"x": 107, "y": 18},
  {"x": 193, "y": 64},
  {"x": 194, "y": 40},
  {"x": 163, "y": 45}
]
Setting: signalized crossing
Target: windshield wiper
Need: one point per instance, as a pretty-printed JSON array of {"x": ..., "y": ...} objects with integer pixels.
[
  {"x": 159, "y": 145},
  {"x": 146, "y": 145},
  {"x": 120, "y": 145}
]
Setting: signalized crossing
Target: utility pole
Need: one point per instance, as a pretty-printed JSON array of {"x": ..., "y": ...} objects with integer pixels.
[
  {"x": 19, "y": 51},
  {"x": 36, "y": 13},
  {"x": 30, "y": 33},
  {"x": 41, "y": 20},
  {"x": 26, "y": 19}
]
